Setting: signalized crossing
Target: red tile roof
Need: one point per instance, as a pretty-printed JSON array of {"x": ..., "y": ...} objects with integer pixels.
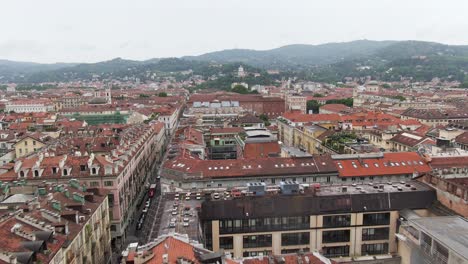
[
  {"x": 398, "y": 163},
  {"x": 252, "y": 167},
  {"x": 261, "y": 149},
  {"x": 299, "y": 117}
]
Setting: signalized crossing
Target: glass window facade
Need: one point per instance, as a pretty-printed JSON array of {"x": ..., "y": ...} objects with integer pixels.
[
  {"x": 226, "y": 242},
  {"x": 264, "y": 224},
  {"x": 375, "y": 233},
  {"x": 374, "y": 249},
  {"x": 335, "y": 252},
  {"x": 290, "y": 239},
  {"x": 336, "y": 236},
  {"x": 337, "y": 220},
  {"x": 376, "y": 219},
  {"x": 257, "y": 241}
]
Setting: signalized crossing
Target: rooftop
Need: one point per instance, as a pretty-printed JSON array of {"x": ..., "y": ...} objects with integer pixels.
[
  {"x": 450, "y": 231},
  {"x": 319, "y": 200}
]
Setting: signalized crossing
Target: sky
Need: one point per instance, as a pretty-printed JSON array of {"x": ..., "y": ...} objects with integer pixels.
[{"x": 50, "y": 31}]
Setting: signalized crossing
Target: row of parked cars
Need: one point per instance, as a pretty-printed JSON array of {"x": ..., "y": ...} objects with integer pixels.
[
  {"x": 175, "y": 212},
  {"x": 141, "y": 220},
  {"x": 187, "y": 196}
]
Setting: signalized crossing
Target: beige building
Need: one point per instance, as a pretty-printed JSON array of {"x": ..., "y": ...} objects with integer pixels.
[
  {"x": 361, "y": 222},
  {"x": 296, "y": 102},
  {"x": 27, "y": 145}
]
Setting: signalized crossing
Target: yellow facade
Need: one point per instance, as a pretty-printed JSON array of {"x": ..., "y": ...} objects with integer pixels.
[{"x": 27, "y": 145}]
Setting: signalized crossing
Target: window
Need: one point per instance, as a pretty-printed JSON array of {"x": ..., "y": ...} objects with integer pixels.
[
  {"x": 21, "y": 173},
  {"x": 376, "y": 219},
  {"x": 34, "y": 143},
  {"x": 110, "y": 197},
  {"x": 226, "y": 242},
  {"x": 375, "y": 233},
  {"x": 82, "y": 167},
  {"x": 36, "y": 173},
  {"x": 65, "y": 172},
  {"x": 334, "y": 252},
  {"x": 290, "y": 239},
  {"x": 108, "y": 183},
  {"x": 273, "y": 181},
  {"x": 304, "y": 179},
  {"x": 336, "y": 220},
  {"x": 93, "y": 171},
  {"x": 26, "y": 143},
  {"x": 113, "y": 228},
  {"x": 21, "y": 151},
  {"x": 94, "y": 184},
  {"x": 264, "y": 224},
  {"x": 54, "y": 170},
  {"x": 257, "y": 241},
  {"x": 374, "y": 249},
  {"x": 335, "y": 236}
]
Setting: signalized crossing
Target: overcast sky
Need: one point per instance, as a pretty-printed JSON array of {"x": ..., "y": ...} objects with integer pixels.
[{"x": 96, "y": 30}]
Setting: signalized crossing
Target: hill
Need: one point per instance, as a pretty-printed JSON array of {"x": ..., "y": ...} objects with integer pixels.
[
  {"x": 298, "y": 55},
  {"x": 332, "y": 62}
]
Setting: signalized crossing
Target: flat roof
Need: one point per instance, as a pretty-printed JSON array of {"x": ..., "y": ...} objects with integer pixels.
[
  {"x": 328, "y": 200},
  {"x": 450, "y": 231}
]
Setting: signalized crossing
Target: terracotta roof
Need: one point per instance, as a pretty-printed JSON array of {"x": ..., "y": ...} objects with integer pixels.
[
  {"x": 462, "y": 138},
  {"x": 261, "y": 149},
  {"x": 252, "y": 167},
  {"x": 398, "y": 163},
  {"x": 411, "y": 140},
  {"x": 449, "y": 162},
  {"x": 299, "y": 117}
]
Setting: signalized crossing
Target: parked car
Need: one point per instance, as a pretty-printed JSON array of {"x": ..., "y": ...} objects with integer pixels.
[
  {"x": 186, "y": 224},
  {"x": 216, "y": 196}
]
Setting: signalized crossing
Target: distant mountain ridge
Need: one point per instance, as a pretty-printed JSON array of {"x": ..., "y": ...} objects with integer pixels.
[{"x": 388, "y": 60}]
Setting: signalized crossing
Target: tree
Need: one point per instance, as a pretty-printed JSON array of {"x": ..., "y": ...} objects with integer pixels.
[
  {"x": 313, "y": 105},
  {"x": 345, "y": 101},
  {"x": 240, "y": 89},
  {"x": 265, "y": 119},
  {"x": 144, "y": 95},
  {"x": 318, "y": 95},
  {"x": 162, "y": 94}
]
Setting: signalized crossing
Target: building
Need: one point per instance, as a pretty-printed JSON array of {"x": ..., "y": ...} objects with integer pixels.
[
  {"x": 296, "y": 102},
  {"x": 189, "y": 173},
  {"x": 177, "y": 248},
  {"x": 64, "y": 223},
  {"x": 168, "y": 115},
  {"x": 406, "y": 141},
  {"x": 253, "y": 103},
  {"x": 452, "y": 193},
  {"x": 29, "y": 144},
  {"x": 241, "y": 73},
  {"x": 436, "y": 116},
  {"x": 341, "y": 222},
  {"x": 438, "y": 240},
  {"x": 30, "y": 106},
  {"x": 121, "y": 163}
]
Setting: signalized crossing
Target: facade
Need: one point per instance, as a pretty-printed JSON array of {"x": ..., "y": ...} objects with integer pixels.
[
  {"x": 28, "y": 145},
  {"x": 122, "y": 169},
  {"x": 30, "y": 106},
  {"x": 433, "y": 240},
  {"x": 339, "y": 221},
  {"x": 296, "y": 102},
  {"x": 435, "y": 116},
  {"x": 54, "y": 224}
]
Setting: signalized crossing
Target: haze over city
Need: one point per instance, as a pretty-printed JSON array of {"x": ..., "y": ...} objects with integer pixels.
[{"x": 90, "y": 31}]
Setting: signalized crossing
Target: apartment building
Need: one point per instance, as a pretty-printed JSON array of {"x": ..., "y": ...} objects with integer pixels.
[
  {"x": 29, "y": 144},
  {"x": 125, "y": 161},
  {"x": 435, "y": 116},
  {"x": 433, "y": 240},
  {"x": 54, "y": 223},
  {"x": 341, "y": 222},
  {"x": 29, "y": 106},
  {"x": 296, "y": 102}
]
